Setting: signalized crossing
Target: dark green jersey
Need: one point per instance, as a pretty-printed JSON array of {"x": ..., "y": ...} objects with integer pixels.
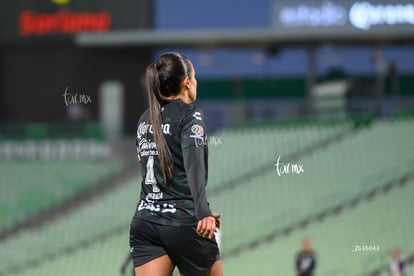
[{"x": 180, "y": 201}]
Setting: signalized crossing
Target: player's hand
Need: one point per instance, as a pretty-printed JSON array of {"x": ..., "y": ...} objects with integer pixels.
[
  {"x": 206, "y": 227},
  {"x": 217, "y": 217}
]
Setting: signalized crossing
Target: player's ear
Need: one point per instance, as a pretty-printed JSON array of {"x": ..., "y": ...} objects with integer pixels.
[{"x": 186, "y": 82}]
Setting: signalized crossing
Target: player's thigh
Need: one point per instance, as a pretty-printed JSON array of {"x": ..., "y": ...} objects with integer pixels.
[
  {"x": 216, "y": 269},
  {"x": 161, "y": 266}
]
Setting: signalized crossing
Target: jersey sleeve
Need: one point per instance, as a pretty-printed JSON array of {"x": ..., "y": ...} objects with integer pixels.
[
  {"x": 192, "y": 144},
  {"x": 195, "y": 171}
]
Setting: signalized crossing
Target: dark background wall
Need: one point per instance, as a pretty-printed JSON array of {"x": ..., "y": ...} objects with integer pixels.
[
  {"x": 38, "y": 75},
  {"x": 36, "y": 70}
]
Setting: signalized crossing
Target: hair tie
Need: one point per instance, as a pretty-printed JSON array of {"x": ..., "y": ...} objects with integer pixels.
[{"x": 158, "y": 66}]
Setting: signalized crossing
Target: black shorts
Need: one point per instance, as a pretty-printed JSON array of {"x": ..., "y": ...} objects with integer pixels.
[{"x": 192, "y": 254}]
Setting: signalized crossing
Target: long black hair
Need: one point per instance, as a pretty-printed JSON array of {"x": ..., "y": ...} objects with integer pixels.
[{"x": 164, "y": 79}]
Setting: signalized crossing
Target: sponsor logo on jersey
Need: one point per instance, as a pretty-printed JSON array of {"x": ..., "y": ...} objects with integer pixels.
[
  {"x": 144, "y": 128},
  {"x": 198, "y": 132},
  {"x": 197, "y": 115}
]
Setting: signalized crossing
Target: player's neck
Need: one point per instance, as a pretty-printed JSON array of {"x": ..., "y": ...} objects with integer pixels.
[{"x": 181, "y": 96}]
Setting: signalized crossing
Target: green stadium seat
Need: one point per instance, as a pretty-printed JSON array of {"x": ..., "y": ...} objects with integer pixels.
[{"x": 32, "y": 187}]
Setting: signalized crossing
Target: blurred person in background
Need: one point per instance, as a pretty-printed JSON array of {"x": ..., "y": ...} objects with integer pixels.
[
  {"x": 398, "y": 265},
  {"x": 173, "y": 224},
  {"x": 393, "y": 78},
  {"x": 305, "y": 259},
  {"x": 380, "y": 74}
]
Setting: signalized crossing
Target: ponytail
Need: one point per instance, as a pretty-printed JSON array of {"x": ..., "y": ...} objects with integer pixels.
[{"x": 155, "y": 119}]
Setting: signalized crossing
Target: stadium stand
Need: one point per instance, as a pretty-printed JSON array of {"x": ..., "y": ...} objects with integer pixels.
[
  {"x": 103, "y": 258},
  {"x": 258, "y": 146},
  {"x": 335, "y": 174},
  {"x": 91, "y": 222},
  {"x": 304, "y": 137},
  {"x": 384, "y": 222},
  {"x": 341, "y": 200},
  {"x": 32, "y": 187}
]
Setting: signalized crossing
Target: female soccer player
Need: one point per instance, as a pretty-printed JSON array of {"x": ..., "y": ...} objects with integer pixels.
[{"x": 173, "y": 224}]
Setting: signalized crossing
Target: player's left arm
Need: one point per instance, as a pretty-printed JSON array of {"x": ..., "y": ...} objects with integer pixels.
[{"x": 193, "y": 147}]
